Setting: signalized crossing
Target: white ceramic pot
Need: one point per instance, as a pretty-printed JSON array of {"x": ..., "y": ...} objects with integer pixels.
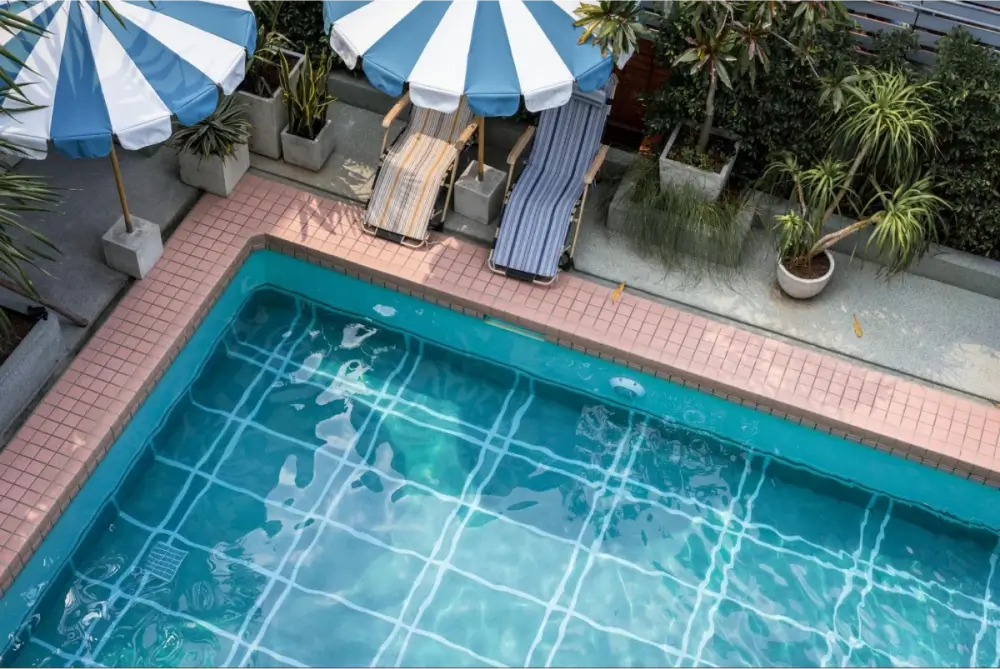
[{"x": 803, "y": 289}]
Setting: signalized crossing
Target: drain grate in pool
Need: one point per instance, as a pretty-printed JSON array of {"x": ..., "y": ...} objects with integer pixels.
[{"x": 164, "y": 560}]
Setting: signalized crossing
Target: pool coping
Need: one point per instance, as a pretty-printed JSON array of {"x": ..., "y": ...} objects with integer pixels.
[{"x": 55, "y": 451}]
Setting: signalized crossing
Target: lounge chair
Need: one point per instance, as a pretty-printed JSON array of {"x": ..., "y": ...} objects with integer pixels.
[
  {"x": 411, "y": 172},
  {"x": 549, "y": 197}
]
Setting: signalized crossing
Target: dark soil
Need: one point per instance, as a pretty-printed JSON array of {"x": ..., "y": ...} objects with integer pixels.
[
  {"x": 21, "y": 326},
  {"x": 262, "y": 81},
  {"x": 717, "y": 153},
  {"x": 816, "y": 268}
]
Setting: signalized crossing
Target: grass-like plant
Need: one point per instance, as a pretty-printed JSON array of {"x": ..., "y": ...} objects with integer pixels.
[
  {"x": 613, "y": 27},
  {"x": 218, "y": 134},
  {"x": 676, "y": 225},
  {"x": 307, "y": 98},
  {"x": 884, "y": 122}
]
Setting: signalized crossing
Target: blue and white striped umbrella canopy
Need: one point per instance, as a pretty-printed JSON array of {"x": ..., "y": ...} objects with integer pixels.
[
  {"x": 96, "y": 76},
  {"x": 492, "y": 51}
]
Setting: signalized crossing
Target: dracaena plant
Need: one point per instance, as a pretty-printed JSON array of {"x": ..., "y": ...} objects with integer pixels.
[
  {"x": 613, "y": 27},
  {"x": 728, "y": 39},
  {"x": 218, "y": 134},
  {"x": 883, "y": 126},
  {"x": 307, "y": 98}
]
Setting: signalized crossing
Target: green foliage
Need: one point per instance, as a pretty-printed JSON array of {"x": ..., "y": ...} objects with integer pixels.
[
  {"x": 20, "y": 245},
  {"x": 613, "y": 27},
  {"x": 302, "y": 24},
  {"x": 262, "y": 67},
  {"x": 889, "y": 119},
  {"x": 307, "y": 98},
  {"x": 967, "y": 99},
  {"x": 883, "y": 128},
  {"x": 733, "y": 43},
  {"x": 778, "y": 111},
  {"x": 678, "y": 226},
  {"x": 218, "y": 134}
]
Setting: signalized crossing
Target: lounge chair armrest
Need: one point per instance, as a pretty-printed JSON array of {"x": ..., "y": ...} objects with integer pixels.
[
  {"x": 520, "y": 145},
  {"x": 396, "y": 110},
  {"x": 595, "y": 164},
  {"x": 466, "y": 135}
]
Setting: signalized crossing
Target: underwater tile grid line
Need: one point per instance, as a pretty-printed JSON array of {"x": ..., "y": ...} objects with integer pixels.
[
  {"x": 616, "y": 538},
  {"x": 53, "y": 454}
]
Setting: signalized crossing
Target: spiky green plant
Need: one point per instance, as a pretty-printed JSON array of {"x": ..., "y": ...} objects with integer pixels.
[
  {"x": 881, "y": 120},
  {"x": 307, "y": 98},
  {"x": 676, "y": 225},
  {"x": 218, "y": 134},
  {"x": 888, "y": 118},
  {"x": 21, "y": 246},
  {"x": 613, "y": 27}
]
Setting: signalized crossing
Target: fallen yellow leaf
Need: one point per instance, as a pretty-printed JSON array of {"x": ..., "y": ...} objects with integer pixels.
[
  {"x": 857, "y": 328},
  {"x": 615, "y": 296}
]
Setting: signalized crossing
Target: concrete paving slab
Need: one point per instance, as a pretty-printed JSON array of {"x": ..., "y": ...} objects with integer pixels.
[
  {"x": 349, "y": 171},
  {"x": 80, "y": 279},
  {"x": 916, "y": 326}
]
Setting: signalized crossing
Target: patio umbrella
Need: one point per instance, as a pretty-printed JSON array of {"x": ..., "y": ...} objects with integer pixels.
[
  {"x": 105, "y": 70},
  {"x": 494, "y": 53}
]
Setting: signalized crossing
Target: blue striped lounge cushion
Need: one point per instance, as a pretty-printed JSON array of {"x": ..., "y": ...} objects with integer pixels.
[{"x": 537, "y": 217}]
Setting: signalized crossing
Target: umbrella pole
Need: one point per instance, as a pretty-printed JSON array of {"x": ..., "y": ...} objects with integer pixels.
[
  {"x": 121, "y": 189},
  {"x": 482, "y": 147}
]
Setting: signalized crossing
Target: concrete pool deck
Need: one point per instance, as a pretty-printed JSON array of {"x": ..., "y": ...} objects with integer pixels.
[{"x": 54, "y": 452}]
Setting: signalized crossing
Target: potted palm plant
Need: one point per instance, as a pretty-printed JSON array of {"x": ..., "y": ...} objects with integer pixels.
[
  {"x": 307, "y": 140},
  {"x": 213, "y": 153},
  {"x": 885, "y": 125},
  {"x": 260, "y": 92},
  {"x": 723, "y": 42}
]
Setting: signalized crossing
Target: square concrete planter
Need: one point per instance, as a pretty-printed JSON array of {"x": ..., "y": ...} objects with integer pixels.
[
  {"x": 710, "y": 184},
  {"x": 29, "y": 367},
  {"x": 308, "y": 153},
  {"x": 214, "y": 174},
  {"x": 268, "y": 116}
]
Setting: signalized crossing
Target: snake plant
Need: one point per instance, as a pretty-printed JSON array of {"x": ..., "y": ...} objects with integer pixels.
[{"x": 307, "y": 98}]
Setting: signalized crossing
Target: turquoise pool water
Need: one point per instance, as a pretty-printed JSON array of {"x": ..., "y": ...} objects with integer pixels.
[{"x": 310, "y": 486}]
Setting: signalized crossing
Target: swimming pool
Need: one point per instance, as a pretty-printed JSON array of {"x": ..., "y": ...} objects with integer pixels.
[{"x": 311, "y": 485}]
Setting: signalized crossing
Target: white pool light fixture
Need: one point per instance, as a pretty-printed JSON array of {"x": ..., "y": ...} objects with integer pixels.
[{"x": 627, "y": 388}]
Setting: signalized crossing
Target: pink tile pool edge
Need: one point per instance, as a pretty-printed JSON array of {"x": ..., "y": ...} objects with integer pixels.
[{"x": 64, "y": 439}]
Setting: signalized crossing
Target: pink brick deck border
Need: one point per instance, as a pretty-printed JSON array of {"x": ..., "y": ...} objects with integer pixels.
[{"x": 55, "y": 451}]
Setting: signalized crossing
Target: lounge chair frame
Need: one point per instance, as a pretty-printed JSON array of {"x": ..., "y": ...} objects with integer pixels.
[
  {"x": 576, "y": 217},
  {"x": 448, "y": 181}
]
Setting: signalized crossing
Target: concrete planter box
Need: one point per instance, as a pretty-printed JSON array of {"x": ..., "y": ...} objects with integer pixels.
[
  {"x": 214, "y": 174},
  {"x": 942, "y": 264},
  {"x": 699, "y": 244},
  {"x": 308, "y": 153},
  {"x": 268, "y": 116},
  {"x": 710, "y": 184},
  {"x": 26, "y": 371}
]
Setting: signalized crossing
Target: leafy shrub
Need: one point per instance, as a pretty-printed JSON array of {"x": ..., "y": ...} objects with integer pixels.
[
  {"x": 777, "y": 113},
  {"x": 968, "y": 103},
  {"x": 302, "y": 24}
]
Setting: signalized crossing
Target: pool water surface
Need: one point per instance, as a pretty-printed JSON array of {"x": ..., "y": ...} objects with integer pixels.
[{"x": 331, "y": 491}]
